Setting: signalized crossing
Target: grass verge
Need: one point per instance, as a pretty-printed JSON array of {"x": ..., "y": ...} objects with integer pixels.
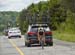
[
  {"x": 1, "y": 33},
  {"x": 70, "y": 37}
]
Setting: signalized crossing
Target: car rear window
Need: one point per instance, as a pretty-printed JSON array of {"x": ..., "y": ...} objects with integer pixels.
[{"x": 35, "y": 28}]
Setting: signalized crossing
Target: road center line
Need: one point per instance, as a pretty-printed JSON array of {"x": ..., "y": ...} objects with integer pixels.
[{"x": 18, "y": 49}]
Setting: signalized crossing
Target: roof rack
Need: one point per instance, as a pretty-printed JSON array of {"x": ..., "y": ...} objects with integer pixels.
[{"x": 38, "y": 21}]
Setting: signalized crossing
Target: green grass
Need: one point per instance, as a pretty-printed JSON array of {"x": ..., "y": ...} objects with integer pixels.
[
  {"x": 70, "y": 37},
  {"x": 1, "y": 33}
]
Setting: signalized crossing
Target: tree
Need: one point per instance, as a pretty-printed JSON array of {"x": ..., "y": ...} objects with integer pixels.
[
  {"x": 54, "y": 10},
  {"x": 69, "y": 4}
]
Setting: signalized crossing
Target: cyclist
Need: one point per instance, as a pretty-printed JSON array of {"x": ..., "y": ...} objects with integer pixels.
[{"x": 41, "y": 34}]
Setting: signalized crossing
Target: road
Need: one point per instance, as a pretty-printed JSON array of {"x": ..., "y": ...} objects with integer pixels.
[{"x": 15, "y": 46}]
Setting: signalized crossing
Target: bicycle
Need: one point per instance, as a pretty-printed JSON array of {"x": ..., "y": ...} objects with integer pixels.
[{"x": 42, "y": 42}]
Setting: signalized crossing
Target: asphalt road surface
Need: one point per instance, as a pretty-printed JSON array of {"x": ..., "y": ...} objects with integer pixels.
[{"x": 15, "y": 46}]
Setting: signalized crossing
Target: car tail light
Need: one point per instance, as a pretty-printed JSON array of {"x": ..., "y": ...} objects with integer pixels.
[
  {"x": 31, "y": 33},
  {"x": 48, "y": 33}
]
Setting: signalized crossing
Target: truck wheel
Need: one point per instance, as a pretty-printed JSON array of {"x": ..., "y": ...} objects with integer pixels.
[
  {"x": 19, "y": 36},
  {"x": 27, "y": 44},
  {"x": 51, "y": 44}
]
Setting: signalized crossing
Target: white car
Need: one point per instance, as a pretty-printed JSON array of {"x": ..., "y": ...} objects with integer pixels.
[{"x": 14, "y": 32}]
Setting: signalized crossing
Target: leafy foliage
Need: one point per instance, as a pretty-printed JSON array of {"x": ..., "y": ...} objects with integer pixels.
[
  {"x": 58, "y": 13},
  {"x": 7, "y": 17}
]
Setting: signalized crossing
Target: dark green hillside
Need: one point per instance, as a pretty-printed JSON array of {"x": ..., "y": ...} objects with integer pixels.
[{"x": 7, "y": 17}]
